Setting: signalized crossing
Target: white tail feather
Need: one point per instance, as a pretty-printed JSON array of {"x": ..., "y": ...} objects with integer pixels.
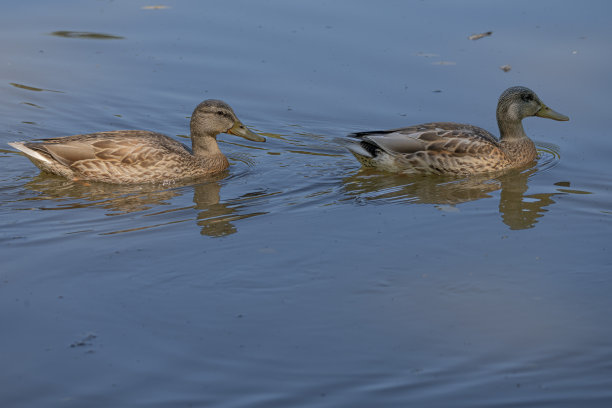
[{"x": 32, "y": 153}]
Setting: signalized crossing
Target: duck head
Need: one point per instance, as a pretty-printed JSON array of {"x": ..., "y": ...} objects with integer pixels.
[{"x": 213, "y": 116}]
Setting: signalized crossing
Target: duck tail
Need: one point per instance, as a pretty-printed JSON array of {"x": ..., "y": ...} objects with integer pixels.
[
  {"x": 359, "y": 148},
  {"x": 21, "y": 146}
]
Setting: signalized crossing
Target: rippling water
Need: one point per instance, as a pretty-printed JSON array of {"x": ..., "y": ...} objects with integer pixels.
[{"x": 297, "y": 278}]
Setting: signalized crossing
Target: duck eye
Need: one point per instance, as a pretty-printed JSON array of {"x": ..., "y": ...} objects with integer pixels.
[
  {"x": 220, "y": 113},
  {"x": 527, "y": 97}
]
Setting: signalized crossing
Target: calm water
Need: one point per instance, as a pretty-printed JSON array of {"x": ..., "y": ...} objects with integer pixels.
[{"x": 296, "y": 279}]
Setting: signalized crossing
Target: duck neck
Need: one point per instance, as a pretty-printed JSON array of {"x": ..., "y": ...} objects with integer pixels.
[
  {"x": 514, "y": 141},
  {"x": 510, "y": 130},
  {"x": 204, "y": 145}
]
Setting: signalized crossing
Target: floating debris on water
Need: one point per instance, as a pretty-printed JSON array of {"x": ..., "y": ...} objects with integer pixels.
[
  {"x": 154, "y": 7},
  {"x": 85, "y": 341},
  {"x": 474, "y": 37},
  {"x": 426, "y": 54},
  {"x": 505, "y": 68},
  {"x": 32, "y": 88},
  {"x": 33, "y": 105},
  {"x": 86, "y": 35}
]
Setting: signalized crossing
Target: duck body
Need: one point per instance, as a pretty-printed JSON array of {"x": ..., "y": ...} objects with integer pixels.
[
  {"x": 140, "y": 156},
  {"x": 449, "y": 148},
  {"x": 439, "y": 148},
  {"x": 122, "y": 157}
]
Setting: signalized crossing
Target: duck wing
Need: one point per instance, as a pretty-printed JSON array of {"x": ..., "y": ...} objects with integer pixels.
[
  {"x": 117, "y": 147},
  {"x": 440, "y": 137}
]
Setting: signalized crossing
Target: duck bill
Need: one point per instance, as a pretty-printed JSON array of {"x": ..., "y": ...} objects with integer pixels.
[
  {"x": 240, "y": 130},
  {"x": 546, "y": 112}
]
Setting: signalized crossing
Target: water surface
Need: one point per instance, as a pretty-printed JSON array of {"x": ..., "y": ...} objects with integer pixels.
[{"x": 296, "y": 278}]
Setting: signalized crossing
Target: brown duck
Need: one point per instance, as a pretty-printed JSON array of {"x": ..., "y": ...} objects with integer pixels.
[
  {"x": 453, "y": 148},
  {"x": 141, "y": 156}
]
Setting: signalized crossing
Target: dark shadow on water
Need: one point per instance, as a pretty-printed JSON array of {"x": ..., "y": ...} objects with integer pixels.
[
  {"x": 215, "y": 218},
  {"x": 117, "y": 199},
  {"x": 518, "y": 209}
]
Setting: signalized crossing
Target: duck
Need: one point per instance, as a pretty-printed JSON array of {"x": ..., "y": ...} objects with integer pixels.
[
  {"x": 141, "y": 156},
  {"x": 448, "y": 148}
]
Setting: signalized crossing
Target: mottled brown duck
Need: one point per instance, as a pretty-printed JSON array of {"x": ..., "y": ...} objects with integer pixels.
[
  {"x": 454, "y": 148},
  {"x": 141, "y": 156}
]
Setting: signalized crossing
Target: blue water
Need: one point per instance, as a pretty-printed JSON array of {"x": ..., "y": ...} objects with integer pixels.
[{"x": 296, "y": 278}]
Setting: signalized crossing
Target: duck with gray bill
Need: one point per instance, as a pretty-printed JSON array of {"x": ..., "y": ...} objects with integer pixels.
[
  {"x": 141, "y": 156},
  {"x": 453, "y": 148}
]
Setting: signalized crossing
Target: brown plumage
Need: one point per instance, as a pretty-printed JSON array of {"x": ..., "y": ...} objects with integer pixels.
[
  {"x": 453, "y": 148},
  {"x": 140, "y": 156}
]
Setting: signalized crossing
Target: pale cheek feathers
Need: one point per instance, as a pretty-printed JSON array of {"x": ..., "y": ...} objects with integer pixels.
[{"x": 514, "y": 113}]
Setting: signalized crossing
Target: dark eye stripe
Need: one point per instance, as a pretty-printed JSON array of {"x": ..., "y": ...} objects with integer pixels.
[{"x": 227, "y": 115}]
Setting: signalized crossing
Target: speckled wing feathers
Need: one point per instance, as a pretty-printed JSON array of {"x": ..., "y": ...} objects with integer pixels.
[
  {"x": 117, "y": 156},
  {"x": 439, "y": 148}
]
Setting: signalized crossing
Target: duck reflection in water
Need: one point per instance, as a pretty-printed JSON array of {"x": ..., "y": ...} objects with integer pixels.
[
  {"x": 215, "y": 218},
  {"x": 518, "y": 210}
]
